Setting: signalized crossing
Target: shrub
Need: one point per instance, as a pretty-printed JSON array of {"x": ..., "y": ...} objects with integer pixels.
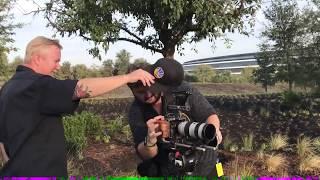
[
  {"x": 227, "y": 142},
  {"x": 304, "y": 147},
  {"x": 316, "y": 144},
  {"x": 278, "y": 142},
  {"x": 115, "y": 126},
  {"x": 243, "y": 171},
  {"x": 127, "y": 132},
  {"x": 261, "y": 152},
  {"x": 291, "y": 99},
  {"x": 247, "y": 142},
  {"x": 309, "y": 163},
  {"x": 78, "y": 127},
  {"x": 274, "y": 162}
]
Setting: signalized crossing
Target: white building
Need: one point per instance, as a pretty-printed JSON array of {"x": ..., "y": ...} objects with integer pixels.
[{"x": 234, "y": 63}]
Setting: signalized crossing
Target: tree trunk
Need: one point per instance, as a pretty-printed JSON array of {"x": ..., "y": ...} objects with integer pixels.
[
  {"x": 290, "y": 85},
  {"x": 169, "y": 43},
  {"x": 169, "y": 50},
  {"x": 266, "y": 88}
]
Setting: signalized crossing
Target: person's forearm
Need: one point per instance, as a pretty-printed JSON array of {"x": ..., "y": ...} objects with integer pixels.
[
  {"x": 91, "y": 87},
  {"x": 147, "y": 152}
]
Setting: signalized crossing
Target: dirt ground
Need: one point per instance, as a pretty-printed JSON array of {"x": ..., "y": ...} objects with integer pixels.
[
  {"x": 118, "y": 159},
  {"x": 115, "y": 158}
]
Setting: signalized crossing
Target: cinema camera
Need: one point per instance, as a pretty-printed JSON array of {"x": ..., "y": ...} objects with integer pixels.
[{"x": 185, "y": 136}]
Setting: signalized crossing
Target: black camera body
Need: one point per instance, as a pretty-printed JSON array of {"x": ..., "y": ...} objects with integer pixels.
[{"x": 186, "y": 136}]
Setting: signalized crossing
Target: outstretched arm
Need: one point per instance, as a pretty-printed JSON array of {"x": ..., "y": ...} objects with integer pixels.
[{"x": 91, "y": 87}]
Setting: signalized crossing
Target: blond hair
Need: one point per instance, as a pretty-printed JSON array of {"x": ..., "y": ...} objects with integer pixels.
[{"x": 37, "y": 44}]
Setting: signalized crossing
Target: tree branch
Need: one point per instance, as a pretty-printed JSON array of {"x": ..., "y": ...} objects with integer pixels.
[
  {"x": 131, "y": 33},
  {"x": 125, "y": 39}
]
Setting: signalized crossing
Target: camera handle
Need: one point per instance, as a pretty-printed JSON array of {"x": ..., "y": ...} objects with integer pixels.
[{"x": 204, "y": 148}]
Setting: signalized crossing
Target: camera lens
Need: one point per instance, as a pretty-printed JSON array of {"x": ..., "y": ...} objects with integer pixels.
[{"x": 197, "y": 130}]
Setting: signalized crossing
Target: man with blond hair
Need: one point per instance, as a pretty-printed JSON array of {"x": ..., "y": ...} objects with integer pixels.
[{"x": 32, "y": 103}]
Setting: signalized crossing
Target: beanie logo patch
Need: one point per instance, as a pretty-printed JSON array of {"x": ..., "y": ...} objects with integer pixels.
[{"x": 158, "y": 72}]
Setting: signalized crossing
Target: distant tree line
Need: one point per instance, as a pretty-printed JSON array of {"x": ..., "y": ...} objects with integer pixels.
[
  {"x": 110, "y": 67},
  {"x": 206, "y": 74}
]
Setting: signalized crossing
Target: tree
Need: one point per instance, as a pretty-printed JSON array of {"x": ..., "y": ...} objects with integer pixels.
[
  {"x": 94, "y": 71},
  {"x": 190, "y": 77},
  {"x": 6, "y": 26},
  {"x": 13, "y": 65},
  {"x": 65, "y": 71},
  {"x": 282, "y": 32},
  {"x": 223, "y": 77},
  {"x": 3, "y": 66},
  {"x": 204, "y": 73},
  {"x": 122, "y": 61},
  {"x": 79, "y": 71},
  {"x": 265, "y": 74},
  {"x": 309, "y": 53},
  {"x": 161, "y": 26},
  {"x": 107, "y": 68},
  {"x": 140, "y": 61},
  {"x": 247, "y": 74}
]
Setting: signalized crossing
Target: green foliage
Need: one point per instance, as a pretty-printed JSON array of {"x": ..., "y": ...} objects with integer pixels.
[
  {"x": 13, "y": 65},
  {"x": 204, "y": 73},
  {"x": 122, "y": 62},
  {"x": 265, "y": 74},
  {"x": 115, "y": 126},
  {"x": 107, "y": 68},
  {"x": 291, "y": 99},
  {"x": 140, "y": 61},
  {"x": 4, "y": 69},
  {"x": 94, "y": 71},
  {"x": 159, "y": 26},
  {"x": 79, "y": 127},
  {"x": 282, "y": 31},
  {"x": 223, "y": 77},
  {"x": 190, "y": 77},
  {"x": 247, "y": 74},
  {"x": 290, "y": 52},
  {"x": 79, "y": 71},
  {"x": 7, "y": 27},
  {"x": 127, "y": 131},
  {"x": 309, "y": 53},
  {"x": 65, "y": 71},
  {"x": 227, "y": 142}
]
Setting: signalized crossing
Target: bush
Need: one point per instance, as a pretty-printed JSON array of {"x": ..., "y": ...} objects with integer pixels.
[
  {"x": 78, "y": 127},
  {"x": 291, "y": 99},
  {"x": 247, "y": 142},
  {"x": 278, "y": 142},
  {"x": 304, "y": 147},
  {"x": 115, "y": 126}
]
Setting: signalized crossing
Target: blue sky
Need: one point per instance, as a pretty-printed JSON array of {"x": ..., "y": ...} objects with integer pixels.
[{"x": 75, "y": 50}]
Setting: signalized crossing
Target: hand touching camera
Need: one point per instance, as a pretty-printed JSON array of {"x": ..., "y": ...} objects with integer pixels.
[{"x": 157, "y": 126}]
